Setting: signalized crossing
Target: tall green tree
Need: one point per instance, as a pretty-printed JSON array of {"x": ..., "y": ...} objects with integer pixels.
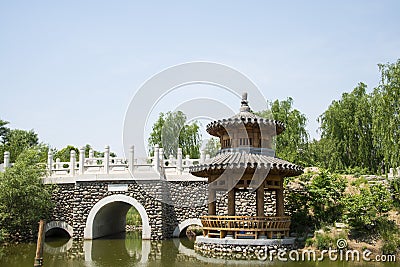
[
  {"x": 212, "y": 146},
  {"x": 170, "y": 132},
  {"x": 64, "y": 154},
  {"x": 16, "y": 141},
  {"x": 3, "y": 130},
  {"x": 24, "y": 200},
  {"x": 346, "y": 132},
  {"x": 386, "y": 114},
  {"x": 292, "y": 143}
]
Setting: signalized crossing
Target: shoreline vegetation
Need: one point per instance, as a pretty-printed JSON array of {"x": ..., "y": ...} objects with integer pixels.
[{"x": 361, "y": 209}]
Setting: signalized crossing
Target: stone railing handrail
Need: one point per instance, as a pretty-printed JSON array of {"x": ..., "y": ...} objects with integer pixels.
[{"x": 80, "y": 164}]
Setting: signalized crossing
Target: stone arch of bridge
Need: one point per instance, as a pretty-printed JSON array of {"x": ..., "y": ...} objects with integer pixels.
[
  {"x": 108, "y": 216},
  {"x": 185, "y": 224},
  {"x": 55, "y": 226}
]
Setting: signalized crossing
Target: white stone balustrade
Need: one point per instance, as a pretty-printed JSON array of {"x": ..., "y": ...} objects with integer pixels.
[{"x": 81, "y": 166}]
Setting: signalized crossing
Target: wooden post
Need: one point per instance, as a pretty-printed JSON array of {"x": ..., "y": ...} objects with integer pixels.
[
  {"x": 279, "y": 202},
  {"x": 260, "y": 201},
  {"x": 39, "y": 246},
  {"x": 231, "y": 209},
  {"x": 231, "y": 202},
  {"x": 211, "y": 201},
  {"x": 260, "y": 208}
]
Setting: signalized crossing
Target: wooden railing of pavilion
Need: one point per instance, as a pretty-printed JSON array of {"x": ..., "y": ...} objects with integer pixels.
[{"x": 245, "y": 226}]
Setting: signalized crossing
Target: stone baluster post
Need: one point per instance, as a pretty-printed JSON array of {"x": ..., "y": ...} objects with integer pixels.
[
  {"x": 207, "y": 156},
  {"x": 50, "y": 161},
  {"x": 156, "y": 158},
  {"x": 58, "y": 164},
  {"x": 179, "y": 159},
  {"x": 187, "y": 161},
  {"x": 82, "y": 160},
  {"x": 7, "y": 159},
  {"x": 72, "y": 162},
  {"x": 202, "y": 156},
  {"x": 398, "y": 172},
  {"x": 170, "y": 160},
  {"x": 131, "y": 159},
  {"x": 91, "y": 156},
  {"x": 161, "y": 158},
  {"x": 106, "y": 159}
]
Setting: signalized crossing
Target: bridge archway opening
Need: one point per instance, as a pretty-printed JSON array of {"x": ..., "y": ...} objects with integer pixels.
[
  {"x": 58, "y": 229},
  {"x": 180, "y": 230},
  {"x": 108, "y": 217},
  {"x": 57, "y": 232}
]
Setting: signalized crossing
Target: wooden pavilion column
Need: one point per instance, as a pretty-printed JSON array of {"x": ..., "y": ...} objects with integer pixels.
[
  {"x": 231, "y": 202},
  {"x": 260, "y": 207},
  {"x": 260, "y": 201},
  {"x": 231, "y": 210},
  {"x": 279, "y": 202},
  {"x": 212, "y": 209}
]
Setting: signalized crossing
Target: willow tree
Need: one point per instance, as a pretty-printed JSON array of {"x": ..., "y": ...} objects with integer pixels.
[
  {"x": 170, "y": 132},
  {"x": 346, "y": 129},
  {"x": 386, "y": 114}
]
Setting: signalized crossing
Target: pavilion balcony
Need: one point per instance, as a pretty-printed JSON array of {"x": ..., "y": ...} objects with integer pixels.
[{"x": 244, "y": 227}]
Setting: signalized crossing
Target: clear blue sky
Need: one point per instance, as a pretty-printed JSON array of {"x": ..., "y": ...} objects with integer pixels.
[{"x": 68, "y": 69}]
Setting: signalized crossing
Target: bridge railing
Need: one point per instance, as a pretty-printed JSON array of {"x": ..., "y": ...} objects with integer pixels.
[{"x": 80, "y": 165}]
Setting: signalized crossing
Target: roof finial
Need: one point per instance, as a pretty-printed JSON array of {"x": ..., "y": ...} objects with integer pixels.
[{"x": 245, "y": 105}]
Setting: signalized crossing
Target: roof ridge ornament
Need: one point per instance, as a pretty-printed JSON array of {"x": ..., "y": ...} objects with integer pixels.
[{"x": 245, "y": 103}]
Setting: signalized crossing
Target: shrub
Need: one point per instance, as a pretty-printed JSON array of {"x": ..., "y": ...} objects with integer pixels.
[{"x": 24, "y": 200}]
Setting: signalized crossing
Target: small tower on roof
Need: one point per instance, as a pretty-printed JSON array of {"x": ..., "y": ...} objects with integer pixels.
[{"x": 247, "y": 162}]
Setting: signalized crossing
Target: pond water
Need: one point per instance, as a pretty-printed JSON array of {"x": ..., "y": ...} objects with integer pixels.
[{"x": 129, "y": 249}]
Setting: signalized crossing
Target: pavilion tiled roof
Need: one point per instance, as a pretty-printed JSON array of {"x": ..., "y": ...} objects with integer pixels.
[
  {"x": 241, "y": 160},
  {"x": 245, "y": 116}
]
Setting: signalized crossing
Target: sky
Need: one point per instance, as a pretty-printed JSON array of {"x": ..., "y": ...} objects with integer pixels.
[{"x": 69, "y": 69}]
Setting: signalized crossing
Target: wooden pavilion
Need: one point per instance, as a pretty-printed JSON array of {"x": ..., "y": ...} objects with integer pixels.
[{"x": 246, "y": 162}]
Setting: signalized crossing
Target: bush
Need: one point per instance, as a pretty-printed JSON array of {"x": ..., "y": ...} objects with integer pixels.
[
  {"x": 395, "y": 190},
  {"x": 318, "y": 202},
  {"x": 363, "y": 209},
  {"x": 390, "y": 233},
  {"x": 24, "y": 200},
  {"x": 327, "y": 240}
]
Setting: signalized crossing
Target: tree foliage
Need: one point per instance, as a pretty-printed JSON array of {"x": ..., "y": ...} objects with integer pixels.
[
  {"x": 363, "y": 130},
  {"x": 212, "y": 146},
  {"x": 386, "y": 115},
  {"x": 363, "y": 208},
  {"x": 170, "y": 132},
  {"x": 64, "y": 154},
  {"x": 292, "y": 144},
  {"x": 24, "y": 200},
  {"x": 3, "y": 130},
  {"x": 16, "y": 141},
  {"x": 346, "y": 132},
  {"x": 318, "y": 201}
]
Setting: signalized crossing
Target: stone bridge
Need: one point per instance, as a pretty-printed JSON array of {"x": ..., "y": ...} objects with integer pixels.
[{"x": 93, "y": 195}]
